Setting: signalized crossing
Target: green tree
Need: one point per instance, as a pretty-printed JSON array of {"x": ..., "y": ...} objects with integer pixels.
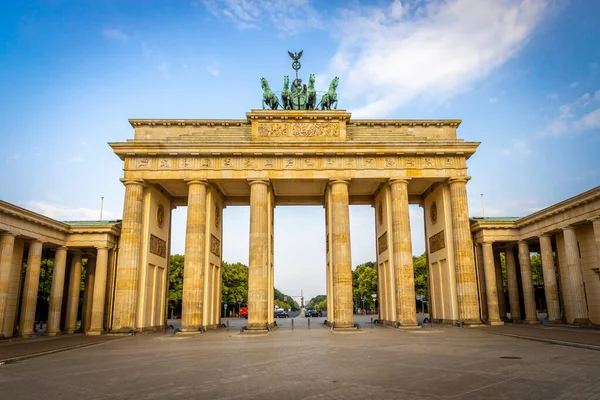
[
  {"x": 364, "y": 283},
  {"x": 291, "y": 303},
  {"x": 315, "y": 301},
  {"x": 175, "y": 281},
  {"x": 420, "y": 268},
  {"x": 235, "y": 284}
]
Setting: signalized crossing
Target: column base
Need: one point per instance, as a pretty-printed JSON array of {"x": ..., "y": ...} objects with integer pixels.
[
  {"x": 257, "y": 327},
  {"x": 69, "y": 332},
  {"x": 554, "y": 321},
  {"x": 26, "y": 335},
  {"x": 582, "y": 321},
  {"x": 123, "y": 330},
  {"x": 52, "y": 334},
  {"x": 495, "y": 323},
  {"x": 94, "y": 333},
  {"x": 190, "y": 329},
  {"x": 532, "y": 321}
]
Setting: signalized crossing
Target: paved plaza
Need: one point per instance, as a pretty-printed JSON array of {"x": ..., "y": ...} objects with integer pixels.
[{"x": 432, "y": 363}]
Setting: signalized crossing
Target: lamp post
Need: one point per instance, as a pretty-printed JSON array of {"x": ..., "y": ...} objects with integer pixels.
[
  {"x": 363, "y": 301},
  {"x": 374, "y": 295},
  {"x": 239, "y": 306},
  {"x": 225, "y": 305}
]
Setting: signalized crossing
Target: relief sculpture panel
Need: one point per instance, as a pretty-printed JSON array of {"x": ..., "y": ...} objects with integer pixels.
[{"x": 300, "y": 130}]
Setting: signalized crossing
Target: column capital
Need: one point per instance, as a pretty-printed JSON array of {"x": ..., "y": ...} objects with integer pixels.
[
  {"x": 8, "y": 234},
  {"x": 523, "y": 242},
  {"x": 339, "y": 180},
  {"x": 568, "y": 228},
  {"x": 487, "y": 241},
  {"x": 102, "y": 247},
  {"x": 196, "y": 181},
  {"x": 264, "y": 181},
  {"x": 459, "y": 179},
  {"x": 37, "y": 241},
  {"x": 128, "y": 182},
  {"x": 62, "y": 248},
  {"x": 509, "y": 246},
  {"x": 393, "y": 181},
  {"x": 544, "y": 235},
  {"x": 595, "y": 219}
]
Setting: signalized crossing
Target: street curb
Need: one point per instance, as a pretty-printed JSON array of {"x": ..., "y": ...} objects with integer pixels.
[
  {"x": 59, "y": 350},
  {"x": 551, "y": 341}
]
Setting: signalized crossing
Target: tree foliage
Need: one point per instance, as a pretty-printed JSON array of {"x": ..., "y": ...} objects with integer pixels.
[
  {"x": 364, "y": 284},
  {"x": 235, "y": 284},
  {"x": 175, "y": 280},
  {"x": 318, "y": 302},
  {"x": 420, "y": 267}
]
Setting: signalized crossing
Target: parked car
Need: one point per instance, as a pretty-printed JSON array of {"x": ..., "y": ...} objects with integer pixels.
[
  {"x": 281, "y": 314},
  {"x": 244, "y": 312},
  {"x": 312, "y": 313}
]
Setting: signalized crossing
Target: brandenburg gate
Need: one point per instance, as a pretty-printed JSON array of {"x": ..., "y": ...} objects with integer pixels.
[{"x": 292, "y": 157}]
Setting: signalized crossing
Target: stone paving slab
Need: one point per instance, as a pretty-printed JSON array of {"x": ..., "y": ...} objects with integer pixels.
[
  {"x": 557, "y": 334},
  {"x": 19, "y": 349},
  {"x": 309, "y": 364}
]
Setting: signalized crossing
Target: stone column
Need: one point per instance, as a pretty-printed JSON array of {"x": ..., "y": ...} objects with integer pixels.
[
  {"x": 97, "y": 309},
  {"x": 126, "y": 290},
  {"x": 342, "y": 261},
  {"x": 490, "y": 285},
  {"x": 7, "y": 244},
  {"x": 88, "y": 294},
  {"x": 500, "y": 284},
  {"x": 56, "y": 291},
  {"x": 195, "y": 257},
  {"x": 30, "y": 289},
  {"x": 258, "y": 270},
  {"x": 527, "y": 283},
  {"x": 513, "y": 284},
  {"x": 550, "y": 286},
  {"x": 466, "y": 278},
  {"x": 577, "y": 289},
  {"x": 406, "y": 308},
  {"x": 596, "y": 224},
  {"x": 73, "y": 294}
]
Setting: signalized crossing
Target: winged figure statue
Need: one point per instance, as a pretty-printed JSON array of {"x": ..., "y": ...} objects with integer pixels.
[{"x": 295, "y": 56}]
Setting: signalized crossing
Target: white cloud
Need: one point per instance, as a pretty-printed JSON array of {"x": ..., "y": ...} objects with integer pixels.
[
  {"x": 213, "y": 71},
  {"x": 574, "y": 117},
  {"x": 65, "y": 213},
  {"x": 14, "y": 157},
  {"x": 518, "y": 147},
  {"x": 493, "y": 100},
  {"x": 76, "y": 159},
  {"x": 551, "y": 96},
  {"x": 387, "y": 57},
  {"x": 573, "y": 85},
  {"x": 594, "y": 66},
  {"x": 285, "y": 16},
  {"x": 115, "y": 34}
]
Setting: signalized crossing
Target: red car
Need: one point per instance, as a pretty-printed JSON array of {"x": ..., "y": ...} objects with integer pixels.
[{"x": 244, "y": 312}]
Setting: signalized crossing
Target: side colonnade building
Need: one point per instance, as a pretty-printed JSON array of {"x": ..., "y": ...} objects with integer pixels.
[
  {"x": 567, "y": 236},
  {"x": 26, "y": 238}
]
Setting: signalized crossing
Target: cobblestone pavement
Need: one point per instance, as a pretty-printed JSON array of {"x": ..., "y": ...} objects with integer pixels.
[
  {"x": 432, "y": 363},
  {"x": 11, "y": 349},
  {"x": 558, "y": 333}
]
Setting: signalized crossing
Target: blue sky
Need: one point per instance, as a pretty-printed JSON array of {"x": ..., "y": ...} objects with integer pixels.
[{"x": 523, "y": 75}]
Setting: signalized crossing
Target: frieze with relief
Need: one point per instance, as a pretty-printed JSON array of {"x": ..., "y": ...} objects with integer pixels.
[
  {"x": 295, "y": 162},
  {"x": 158, "y": 246},
  {"x": 309, "y": 129}
]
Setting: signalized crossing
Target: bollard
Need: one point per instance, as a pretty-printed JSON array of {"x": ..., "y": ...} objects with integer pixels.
[
  {"x": 371, "y": 320},
  {"x": 292, "y": 324},
  {"x": 227, "y": 325},
  {"x": 309, "y": 323}
]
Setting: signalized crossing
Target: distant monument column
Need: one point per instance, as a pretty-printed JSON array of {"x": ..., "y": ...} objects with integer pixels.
[
  {"x": 57, "y": 291},
  {"x": 466, "y": 279},
  {"x": 500, "y": 284},
  {"x": 30, "y": 289},
  {"x": 129, "y": 258},
  {"x": 576, "y": 289},
  {"x": 550, "y": 286},
  {"x": 491, "y": 287},
  {"x": 513, "y": 284},
  {"x": 406, "y": 309},
  {"x": 195, "y": 252},
  {"x": 88, "y": 294},
  {"x": 258, "y": 270},
  {"x": 342, "y": 261}
]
